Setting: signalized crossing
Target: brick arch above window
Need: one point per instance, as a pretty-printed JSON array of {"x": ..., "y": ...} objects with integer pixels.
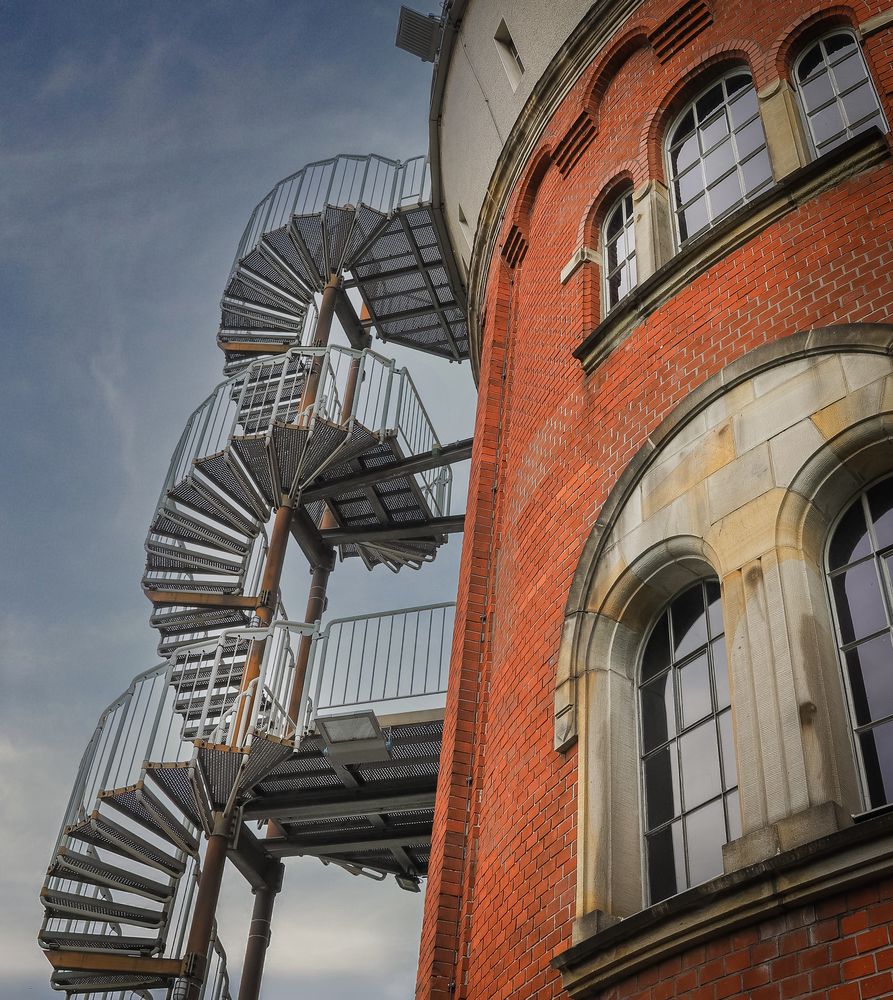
[
  {"x": 517, "y": 235},
  {"x": 804, "y": 30},
  {"x": 697, "y": 75}
]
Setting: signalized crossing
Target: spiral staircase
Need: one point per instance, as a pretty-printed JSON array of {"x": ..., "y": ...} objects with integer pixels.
[{"x": 328, "y": 737}]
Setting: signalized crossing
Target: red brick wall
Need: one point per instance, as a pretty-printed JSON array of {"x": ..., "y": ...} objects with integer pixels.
[
  {"x": 549, "y": 445},
  {"x": 839, "y": 949}
]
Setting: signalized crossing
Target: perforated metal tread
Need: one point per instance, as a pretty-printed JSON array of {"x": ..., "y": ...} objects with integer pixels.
[
  {"x": 185, "y": 621},
  {"x": 99, "y": 943},
  {"x": 178, "y": 526},
  {"x": 76, "y": 867},
  {"x": 104, "y": 833},
  {"x": 174, "y": 780},
  {"x": 193, "y": 495},
  {"x": 171, "y": 557},
  {"x": 69, "y": 904},
  {"x": 220, "y": 471},
  {"x": 142, "y": 806},
  {"x": 107, "y": 982}
]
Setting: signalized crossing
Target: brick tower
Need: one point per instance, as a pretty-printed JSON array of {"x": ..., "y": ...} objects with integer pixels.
[{"x": 668, "y": 756}]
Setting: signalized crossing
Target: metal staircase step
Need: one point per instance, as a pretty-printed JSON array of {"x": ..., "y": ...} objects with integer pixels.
[
  {"x": 225, "y": 474},
  {"x": 77, "y": 982},
  {"x": 177, "y": 559},
  {"x": 100, "y": 943},
  {"x": 70, "y": 904},
  {"x": 268, "y": 262},
  {"x": 254, "y": 453},
  {"x": 77, "y": 867},
  {"x": 193, "y": 706},
  {"x": 256, "y": 275},
  {"x": 182, "y": 528},
  {"x": 220, "y": 766},
  {"x": 143, "y": 807},
  {"x": 195, "y": 677},
  {"x": 193, "y": 494},
  {"x": 270, "y": 316},
  {"x": 188, "y": 621},
  {"x": 287, "y": 245},
  {"x": 101, "y": 832},
  {"x": 175, "y": 781}
]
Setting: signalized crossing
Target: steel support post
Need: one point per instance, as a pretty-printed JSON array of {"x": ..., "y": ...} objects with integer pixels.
[
  {"x": 258, "y": 940},
  {"x": 265, "y": 610},
  {"x": 264, "y": 899},
  {"x": 198, "y": 943}
]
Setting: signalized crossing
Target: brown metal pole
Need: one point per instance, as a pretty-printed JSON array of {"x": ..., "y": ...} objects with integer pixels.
[
  {"x": 264, "y": 899},
  {"x": 199, "y": 941},
  {"x": 321, "y": 339},
  {"x": 266, "y": 607},
  {"x": 258, "y": 940}
]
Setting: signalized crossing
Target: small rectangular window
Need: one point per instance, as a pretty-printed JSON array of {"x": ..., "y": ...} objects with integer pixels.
[{"x": 508, "y": 53}]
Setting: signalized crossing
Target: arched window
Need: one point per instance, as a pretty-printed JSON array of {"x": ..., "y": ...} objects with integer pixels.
[
  {"x": 860, "y": 565},
  {"x": 836, "y": 94},
  {"x": 716, "y": 154},
  {"x": 619, "y": 243},
  {"x": 687, "y": 748}
]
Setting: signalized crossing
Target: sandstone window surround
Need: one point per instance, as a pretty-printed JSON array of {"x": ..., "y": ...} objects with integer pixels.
[
  {"x": 743, "y": 482},
  {"x": 686, "y": 743}
]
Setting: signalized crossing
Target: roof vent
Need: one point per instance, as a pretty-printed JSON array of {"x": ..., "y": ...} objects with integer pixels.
[{"x": 419, "y": 34}]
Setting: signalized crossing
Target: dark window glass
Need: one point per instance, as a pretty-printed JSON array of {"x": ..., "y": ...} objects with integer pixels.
[
  {"x": 837, "y": 97},
  {"x": 860, "y": 563},
  {"x": 688, "y": 752},
  {"x": 717, "y": 154},
  {"x": 619, "y": 244},
  {"x": 859, "y": 602}
]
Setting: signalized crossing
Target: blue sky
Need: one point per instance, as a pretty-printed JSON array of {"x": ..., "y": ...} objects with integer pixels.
[{"x": 135, "y": 138}]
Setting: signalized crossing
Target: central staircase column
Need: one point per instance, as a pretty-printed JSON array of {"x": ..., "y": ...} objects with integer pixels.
[
  {"x": 202, "y": 928},
  {"x": 265, "y": 897}
]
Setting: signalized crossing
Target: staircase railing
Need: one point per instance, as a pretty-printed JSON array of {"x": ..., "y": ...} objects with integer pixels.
[
  {"x": 380, "y": 183},
  {"x": 396, "y": 661},
  {"x": 216, "y": 716},
  {"x": 138, "y": 725}
]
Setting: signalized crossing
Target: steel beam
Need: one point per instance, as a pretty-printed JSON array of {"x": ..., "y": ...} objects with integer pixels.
[
  {"x": 389, "y": 532},
  {"x": 95, "y": 961},
  {"x": 307, "y": 535},
  {"x": 251, "y": 859},
  {"x": 166, "y": 598},
  {"x": 284, "y": 808},
  {"x": 292, "y": 849},
  {"x": 357, "y": 334},
  {"x": 449, "y": 454}
]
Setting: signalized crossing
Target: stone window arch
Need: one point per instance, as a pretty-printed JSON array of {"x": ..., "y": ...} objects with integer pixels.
[{"x": 742, "y": 482}]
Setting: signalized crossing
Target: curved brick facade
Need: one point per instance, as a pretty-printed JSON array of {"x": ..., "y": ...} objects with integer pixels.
[{"x": 553, "y": 435}]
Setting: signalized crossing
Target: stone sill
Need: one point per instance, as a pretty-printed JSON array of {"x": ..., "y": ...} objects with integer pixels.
[
  {"x": 698, "y": 255},
  {"x": 827, "y": 866}
]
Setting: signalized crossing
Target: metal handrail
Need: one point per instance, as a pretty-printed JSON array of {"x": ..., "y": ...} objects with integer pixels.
[
  {"x": 391, "y": 657},
  {"x": 223, "y": 722},
  {"x": 347, "y": 179}
]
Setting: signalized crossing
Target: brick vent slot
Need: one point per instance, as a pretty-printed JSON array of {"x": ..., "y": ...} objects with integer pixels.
[{"x": 680, "y": 28}]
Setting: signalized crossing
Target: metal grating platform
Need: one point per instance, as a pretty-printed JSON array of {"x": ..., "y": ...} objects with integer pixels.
[{"x": 375, "y": 814}]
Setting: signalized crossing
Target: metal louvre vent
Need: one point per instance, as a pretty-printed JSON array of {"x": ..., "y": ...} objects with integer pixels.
[{"x": 419, "y": 34}]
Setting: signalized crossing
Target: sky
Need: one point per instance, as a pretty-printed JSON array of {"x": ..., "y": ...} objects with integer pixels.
[{"x": 135, "y": 138}]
